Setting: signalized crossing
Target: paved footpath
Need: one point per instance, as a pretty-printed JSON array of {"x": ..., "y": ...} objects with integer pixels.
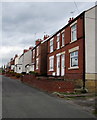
[
  {"x": 22, "y": 101},
  {"x": 0, "y": 97}
]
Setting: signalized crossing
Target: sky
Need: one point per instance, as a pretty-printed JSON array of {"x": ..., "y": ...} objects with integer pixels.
[{"x": 24, "y": 22}]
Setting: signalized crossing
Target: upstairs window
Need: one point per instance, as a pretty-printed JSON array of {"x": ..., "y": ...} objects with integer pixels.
[
  {"x": 74, "y": 32},
  {"x": 33, "y": 53},
  {"x": 37, "y": 63},
  {"x": 51, "y": 45},
  {"x": 74, "y": 59},
  {"x": 63, "y": 38},
  {"x": 37, "y": 50},
  {"x": 58, "y": 41}
]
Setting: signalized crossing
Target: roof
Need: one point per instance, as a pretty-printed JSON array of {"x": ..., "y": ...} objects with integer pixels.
[
  {"x": 90, "y": 8},
  {"x": 63, "y": 27},
  {"x": 67, "y": 24},
  {"x": 36, "y": 46}
]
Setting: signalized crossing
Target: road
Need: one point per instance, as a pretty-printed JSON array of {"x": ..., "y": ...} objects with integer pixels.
[{"x": 22, "y": 101}]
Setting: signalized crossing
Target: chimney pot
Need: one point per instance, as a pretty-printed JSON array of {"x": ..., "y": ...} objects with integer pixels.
[{"x": 46, "y": 36}]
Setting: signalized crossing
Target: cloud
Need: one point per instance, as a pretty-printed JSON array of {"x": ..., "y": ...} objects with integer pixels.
[{"x": 23, "y": 23}]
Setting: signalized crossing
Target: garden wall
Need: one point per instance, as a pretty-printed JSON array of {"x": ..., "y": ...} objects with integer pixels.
[{"x": 48, "y": 84}]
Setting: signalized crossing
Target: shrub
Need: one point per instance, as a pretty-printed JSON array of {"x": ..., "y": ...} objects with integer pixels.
[{"x": 33, "y": 73}]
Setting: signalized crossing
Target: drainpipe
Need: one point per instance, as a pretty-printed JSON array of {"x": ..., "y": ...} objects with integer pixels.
[{"x": 84, "y": 51}]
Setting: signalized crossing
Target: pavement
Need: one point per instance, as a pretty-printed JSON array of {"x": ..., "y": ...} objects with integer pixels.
[
  {"x": 0, "y": 96},
  {"x": 87, "y": 100},
  {"x": 22, "y": 101}
]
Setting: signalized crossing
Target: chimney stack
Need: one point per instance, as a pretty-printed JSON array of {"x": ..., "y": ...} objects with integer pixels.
[
  {"x": 70, "y": 19},
  {"x": 30, "y": 48},
  {"x": 38, "y": 41},
  {"x": 16, "y": 56},
  {"x": 45, "y": 37},
  {"x": 25, "y": 50}
]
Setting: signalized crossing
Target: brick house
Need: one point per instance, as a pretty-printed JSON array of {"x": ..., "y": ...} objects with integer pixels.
[
  {"x": 39, "y": 56},
  {"x": 65, "y": 47},
  {"x": 72, "y": 48}
]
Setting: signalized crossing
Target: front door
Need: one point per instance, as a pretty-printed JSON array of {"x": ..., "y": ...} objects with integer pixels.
[
  {"x": 62, "y": 65},
  {"x": 58, "y": 65}
]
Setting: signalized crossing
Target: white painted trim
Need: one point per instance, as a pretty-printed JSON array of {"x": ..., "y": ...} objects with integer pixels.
[
  {"x": 63, "y": 31},
  {"x": 51, "y": 70},
  {"x": 73, "y": 68},
  {"x": 73, "y": 41},
  {"x": 62, "y": 53},
  {"x": 51, "y": 57},
  {"x": 73, "y": 49},
  {"x": 62, "y": 46},
  {"x": 58, "y": 34},
  {"x": 73, "y": 23},
  {"x": 58, "y": 54},
  {"x": 51, "y": 39}
]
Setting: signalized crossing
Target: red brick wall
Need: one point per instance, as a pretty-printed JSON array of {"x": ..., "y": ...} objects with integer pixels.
[
  {"x": 33, "y": 59},
  {"x": 43, "y": 57},
  {"x": 49, "y": 85},
  {"x": 76, "y": 73},
  {"x": 38, "y": 70},
  {"x": 42, "y": 68}
]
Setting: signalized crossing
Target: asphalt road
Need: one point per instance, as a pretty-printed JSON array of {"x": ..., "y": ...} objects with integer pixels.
[{"x": 22, "y": 101}]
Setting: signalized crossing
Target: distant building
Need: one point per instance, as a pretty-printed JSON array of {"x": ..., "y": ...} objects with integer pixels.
[{"x": 27, "y": 61}]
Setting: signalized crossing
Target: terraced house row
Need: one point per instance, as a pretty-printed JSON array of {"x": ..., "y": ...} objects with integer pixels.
[{"x": 70, "y": 52}]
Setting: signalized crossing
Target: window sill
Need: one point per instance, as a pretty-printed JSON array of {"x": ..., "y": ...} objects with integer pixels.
[
  {"x": 52, "y": 52},
  {"x": 62, "y": 46},
  {"x": 73, "y": 41},
  {"x": 51, "y": 70},
  {"x": 73, "y": 68},
  {"x": 58, "y": 48}
]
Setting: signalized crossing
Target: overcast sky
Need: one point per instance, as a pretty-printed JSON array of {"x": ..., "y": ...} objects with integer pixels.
[{"x": 23, "y": 23}]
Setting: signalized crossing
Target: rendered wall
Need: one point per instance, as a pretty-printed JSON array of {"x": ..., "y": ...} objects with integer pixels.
[
  {"x": 90, "y": 49},
  {"x": 90, "y": 41}
]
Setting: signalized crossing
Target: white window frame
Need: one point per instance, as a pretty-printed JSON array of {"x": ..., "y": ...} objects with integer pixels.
[
  {"x": 37, "y": 50},
  {"x": 58, "y": 41},
  {"x": 33, "y": 53},
  {"x": 51, "y": 63},
  {"x": 71, "y": 61},
  {"x": 72, "y": 31},
  {"x": 51, "y": 45},
  {"x": 63, "y": 39},
  {"x": 37, "y": 63}
]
